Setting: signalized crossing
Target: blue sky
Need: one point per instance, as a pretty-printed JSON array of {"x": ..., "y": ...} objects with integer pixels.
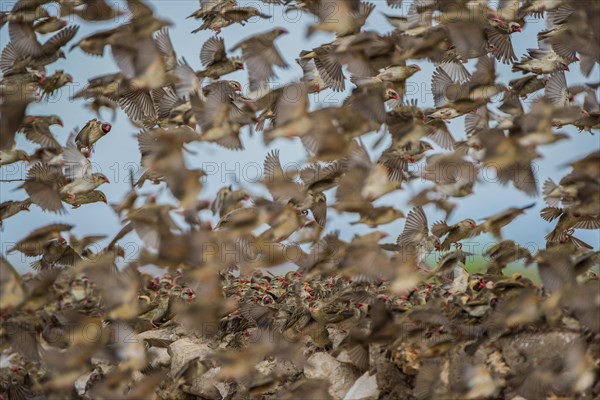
[{"x": 117, "y": 152}]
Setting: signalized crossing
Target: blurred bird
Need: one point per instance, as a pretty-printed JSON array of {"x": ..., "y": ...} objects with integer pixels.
[
  {"x": 260, "y": 55},
  {"x": 453, "y": 234},
  {"x": 415, "y": 235},
  {"x": 495, "y": 223}
]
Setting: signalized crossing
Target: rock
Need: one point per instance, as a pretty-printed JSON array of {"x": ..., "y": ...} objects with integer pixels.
[
  {"x": 158, "y": 357},
  {"x": 341, "y": 376},
  {"x": 283, "y": 368},
  {"x": 365, "y": 388},
  {"x": 389, "y": 377},
  {"x": 166, "y": 334},
  {"x": 208, "y": 387},
  {"x": 183, "y": 351},
  {"x": 81, "y": 383}
]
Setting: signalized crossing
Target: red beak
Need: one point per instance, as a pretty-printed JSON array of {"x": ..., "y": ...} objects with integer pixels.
[
  {"x": 577, "y": 58},
  {"x": 61, "y": 124},
  {"x": 106, "y": 180},
  {"x": 241, "y": 66},
  {"x": 518, "y": 29},
  {"x": 26, "y": 209},
  {"x": 566, "y": 68}
]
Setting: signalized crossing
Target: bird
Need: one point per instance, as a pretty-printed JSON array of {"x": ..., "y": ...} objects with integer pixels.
[
  {"x": 13, "y": 156},
  {"x": 214, "y": 58},
  {"x": 453, "y": 234},
  {"x": 415, "y": 235},
  {"x": 32, "y": 244},
  {"x": 78, "y": 170},
  {"x": 37, "y": 129},
  {"x": 260, "y": 55},
  {"x": 495, "y": 223},
  {"x": 240, "y": 287},
  {"x": 11, "y": 208},
  {"x": 92, "y": 131},
  {"x": 540, "y": 62}
]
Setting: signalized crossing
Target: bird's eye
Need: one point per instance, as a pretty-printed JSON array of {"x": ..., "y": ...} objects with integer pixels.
[{"x": 305, "y": 212}]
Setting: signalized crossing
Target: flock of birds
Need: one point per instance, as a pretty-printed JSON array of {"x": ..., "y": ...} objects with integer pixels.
[{"x": 345, "y": 298}]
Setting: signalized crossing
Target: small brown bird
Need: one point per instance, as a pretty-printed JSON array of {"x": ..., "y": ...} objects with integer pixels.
[
  {"x": 363, "y": 183},
  {"x": 43, "y": 185},
  {"x": 344, "y": 18},
  {"x": 227, "y": 200},
  {"x": 527, "y": 85},
  {"x": 452, "y": 174},
  {"x": 568, "y": 221},
  {"x": 512, "y": 161},
  {"x": 220, "y": 15},
  {"x": 378, "y": 216},
  {"x": 54, "y": 82},
  {"x": 32, "y": 245},
  {"x": 393, "y": 73},
  {"x": 56, "y": 253},
  {"x": 49, "y": 24},
  {"x": 93, "y": 131},
  {"x": 214, "y": 58},
  {"x": 13, "y": 156},
  {"x": 541, "y": 63},
  {"x": 285, "y": 189},
  {"x": 37, "y": 129},
  {"x": 504, "y": 253},
  {"x": 495, "y": 223},
  {"x": 25, "y": 43},
  {"x": 11, "y": 208},
  {"x": 78, "y": 169},
  {"x": 86, "y": 198},
  {"x": 219, "y": 118},
  {"x": 415, "y": 235},
  {"x": 157, "y": 309},
  {"x": 260, "y": 55},
  {"x": 91, "y": 10},
  {"x": 311, "y": 75},
  {"x": 454, "y": 233}
]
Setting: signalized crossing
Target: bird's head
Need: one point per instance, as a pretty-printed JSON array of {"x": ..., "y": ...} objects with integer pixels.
[
  {"x": 56, "y": 120},
  {"x": 101, "y": 178},
  {"x": 391, "y": 94},
  {"x": 102, "y": 197},
  {"x": 106, "y": 128},
  {"x": 514, "y": 27},
  {"x": 238, "y": 64}
]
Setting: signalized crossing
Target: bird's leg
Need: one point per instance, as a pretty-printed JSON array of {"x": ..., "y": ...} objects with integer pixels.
[{"x": 422, "y": 267}]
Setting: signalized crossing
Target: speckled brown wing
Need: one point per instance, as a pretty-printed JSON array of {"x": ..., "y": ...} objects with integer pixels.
[{"x": 43, "y": 186}]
